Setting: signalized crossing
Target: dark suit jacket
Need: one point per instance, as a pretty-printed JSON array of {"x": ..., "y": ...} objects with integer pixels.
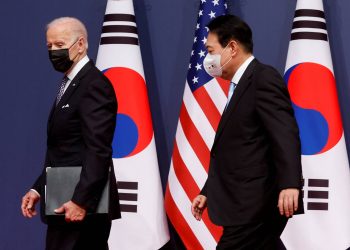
[
  {"x": 81, "y": 135},
  {"x": 256, "y": 151}
]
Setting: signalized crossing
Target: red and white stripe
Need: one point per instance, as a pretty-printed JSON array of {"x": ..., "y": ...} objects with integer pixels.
[{"x": 199, "y": 117}]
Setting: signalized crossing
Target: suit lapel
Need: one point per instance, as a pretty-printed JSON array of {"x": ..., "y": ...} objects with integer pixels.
[
  {"x": 243, "y": 83},
  {"x": 69, "y": 91},
  {"x": 50, "y": 116}
]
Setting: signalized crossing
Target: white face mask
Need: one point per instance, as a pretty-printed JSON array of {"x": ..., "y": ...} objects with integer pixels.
[{"x": 212, "y": 64}]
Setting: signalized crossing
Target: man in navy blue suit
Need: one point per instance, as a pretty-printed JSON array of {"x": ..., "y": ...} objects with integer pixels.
[
  {"x": 254, "y": 177},
  {"x": 80, "y": 133}
]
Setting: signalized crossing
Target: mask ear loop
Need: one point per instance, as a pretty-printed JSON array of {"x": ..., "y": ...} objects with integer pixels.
[
  {"x": 74, "y": 43},
  {"x": 71, "y": 47},
  {"x": 228, "y": 60}
]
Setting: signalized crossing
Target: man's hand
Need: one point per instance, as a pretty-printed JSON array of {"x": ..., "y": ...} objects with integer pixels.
[
  {"x": 198, "y": 205},
  {"x": 288, "y": 201},
  {"x": 28, "y": 204},
  {"x": 73, "y": 212}
]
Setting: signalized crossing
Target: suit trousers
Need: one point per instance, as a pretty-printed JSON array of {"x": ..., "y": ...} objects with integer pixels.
[
  {"x": 90, "y": 234},
  {"x": 263, "y": 235}
]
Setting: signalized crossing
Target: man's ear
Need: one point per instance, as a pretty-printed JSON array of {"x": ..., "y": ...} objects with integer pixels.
[
  {"x": 81, "y": 42},
  {"x": 233, "y": 47}
]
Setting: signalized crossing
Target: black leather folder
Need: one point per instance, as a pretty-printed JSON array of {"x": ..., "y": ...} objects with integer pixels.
[{"x": 60, "y": 186}]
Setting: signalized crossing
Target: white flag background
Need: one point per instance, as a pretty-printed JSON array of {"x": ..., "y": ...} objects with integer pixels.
[
  {"x": 143, "y": 224},
  {"x": 310, "y": 78}
]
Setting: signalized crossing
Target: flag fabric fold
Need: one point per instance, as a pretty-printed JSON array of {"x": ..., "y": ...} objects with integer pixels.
[
  {"x": 310, "y": 79},
  {"x": 203, "y": 103},
  {"x": 143, "y": 224}
]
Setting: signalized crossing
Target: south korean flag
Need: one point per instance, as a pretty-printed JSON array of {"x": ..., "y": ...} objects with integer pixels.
[{"x": 312, "y": 87}]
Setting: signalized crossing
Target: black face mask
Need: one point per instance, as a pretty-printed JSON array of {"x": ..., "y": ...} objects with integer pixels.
[{"x": 60, "y": 59}]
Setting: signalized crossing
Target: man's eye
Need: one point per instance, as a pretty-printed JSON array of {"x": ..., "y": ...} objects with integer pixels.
[{"x": 59, "y": 45}]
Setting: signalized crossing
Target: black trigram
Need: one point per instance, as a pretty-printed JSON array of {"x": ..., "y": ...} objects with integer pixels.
[
  {"x": 128, "y": 196},
  {"x": 309, "y": 24},
  {"x": 317, "y": 194},
  {"x": 119, "y": 29}
]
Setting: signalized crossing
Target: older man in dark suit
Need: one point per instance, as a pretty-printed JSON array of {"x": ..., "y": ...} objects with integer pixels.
[
  {"x": 80, "y": 133},
  {"x": 255, "y": 177}
]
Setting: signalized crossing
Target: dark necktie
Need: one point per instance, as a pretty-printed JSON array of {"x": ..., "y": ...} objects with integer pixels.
[{"x": 61, "y": 91}]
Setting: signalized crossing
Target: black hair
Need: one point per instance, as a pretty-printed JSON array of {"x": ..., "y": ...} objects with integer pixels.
[{"x": 228, "y": 27}]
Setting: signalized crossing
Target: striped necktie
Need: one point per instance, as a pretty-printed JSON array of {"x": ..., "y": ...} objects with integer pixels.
[{"x": 61, "y": 91}]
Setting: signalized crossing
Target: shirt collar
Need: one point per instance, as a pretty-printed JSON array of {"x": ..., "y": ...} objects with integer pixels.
[
  {"x": 78, "y": 67},
  {"x": 239, "y": 73}
]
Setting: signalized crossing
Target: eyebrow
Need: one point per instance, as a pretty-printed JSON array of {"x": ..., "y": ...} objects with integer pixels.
[{"x": 57, "y": 41}]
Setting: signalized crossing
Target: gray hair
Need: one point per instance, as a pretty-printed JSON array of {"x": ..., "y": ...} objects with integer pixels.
[{"x": 75, "y": 25}]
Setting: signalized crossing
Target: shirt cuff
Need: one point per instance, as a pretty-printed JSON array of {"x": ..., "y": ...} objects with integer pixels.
[{"x": 35, "y": 191}]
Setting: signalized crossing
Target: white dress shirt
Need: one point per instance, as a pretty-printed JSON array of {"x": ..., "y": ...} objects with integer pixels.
[
  {"x": 76, "y": 70},
  {"x": 240, "y": 71}
]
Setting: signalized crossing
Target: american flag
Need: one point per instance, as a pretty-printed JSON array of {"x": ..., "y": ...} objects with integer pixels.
[{"x": 203, "y": 103}]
